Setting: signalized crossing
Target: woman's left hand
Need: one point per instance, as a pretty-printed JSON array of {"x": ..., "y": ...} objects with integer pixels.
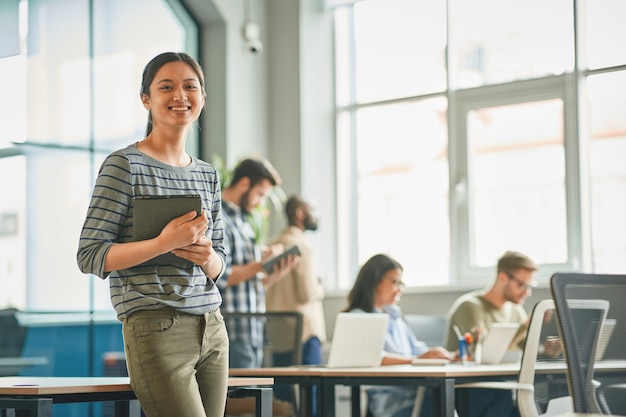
[
  {"x": 437, "y": 353},
  {"x": 199, "y": 252}
]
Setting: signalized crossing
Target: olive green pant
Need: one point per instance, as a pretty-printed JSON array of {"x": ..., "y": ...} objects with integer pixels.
[{"x": 177, "y": 362}]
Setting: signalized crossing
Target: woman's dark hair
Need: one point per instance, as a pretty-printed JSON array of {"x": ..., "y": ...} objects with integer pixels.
[
  {"x": 371, "y": 273},
  {"x": 156, "y": 63}
]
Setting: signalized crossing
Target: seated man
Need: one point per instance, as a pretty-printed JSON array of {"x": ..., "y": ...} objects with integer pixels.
[{"x": 502, "y": 303}]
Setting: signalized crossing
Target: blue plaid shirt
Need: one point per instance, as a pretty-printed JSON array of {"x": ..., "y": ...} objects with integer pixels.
[{"x": 247, "y": 296}]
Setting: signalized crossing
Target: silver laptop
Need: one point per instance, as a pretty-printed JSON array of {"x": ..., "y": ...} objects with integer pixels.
[
  {"x": 606, "y": 331},
  {"x": 358, "y": 340},
  {"x": 497, "y": 342}
]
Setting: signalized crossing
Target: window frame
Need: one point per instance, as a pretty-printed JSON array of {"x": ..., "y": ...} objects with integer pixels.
[
  {"x": 461, "y": 102},
  {"x": 569, "y": 86}
]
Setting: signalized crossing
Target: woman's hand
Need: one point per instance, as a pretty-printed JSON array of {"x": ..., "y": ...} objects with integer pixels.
[
  {"x": 437, "y": 353},
  {"x": 184, "y": 231},
  {"x": 199, "y": 253}
]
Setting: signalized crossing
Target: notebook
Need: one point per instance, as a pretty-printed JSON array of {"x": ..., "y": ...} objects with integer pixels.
[
  {"x": 152, "y": 213},
  {"x": 358, "y": 340},
  {"x": 497, "y": 342},
  {"x": 606, "y": 331}
]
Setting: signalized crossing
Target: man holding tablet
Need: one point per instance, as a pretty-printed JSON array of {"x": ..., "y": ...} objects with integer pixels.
[{"x": 244, "y": 281}]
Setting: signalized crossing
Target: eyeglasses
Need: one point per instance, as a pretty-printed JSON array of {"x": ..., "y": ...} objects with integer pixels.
[
  {"x": 520, "y": 283},
  {"x": 398, "y": 283}
]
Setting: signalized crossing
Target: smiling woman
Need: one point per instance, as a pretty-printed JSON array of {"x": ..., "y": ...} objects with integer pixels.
[{"x": 164, "y": 305}]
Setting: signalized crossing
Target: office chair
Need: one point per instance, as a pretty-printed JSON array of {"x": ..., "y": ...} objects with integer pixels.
[
  {"x": 524, "y": 387},
  {"x": 282, "y": 338},
  {"x": 12, "y": 334},
  {"x": 282, "y": 346},
  {"x": 583, "y": 302},
  {"x": 430, "y": 329}
]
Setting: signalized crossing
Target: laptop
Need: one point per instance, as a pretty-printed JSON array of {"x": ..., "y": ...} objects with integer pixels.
[
  {"x": 358, "y": 340},
  {"x": 606, "y": 331},
  {"x": 497, "y": 342}
]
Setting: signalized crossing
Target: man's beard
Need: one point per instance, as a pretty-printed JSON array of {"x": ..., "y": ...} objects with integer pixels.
[
  {"x": 244, "y": 201},
  {"x": 310, "y": 223}
]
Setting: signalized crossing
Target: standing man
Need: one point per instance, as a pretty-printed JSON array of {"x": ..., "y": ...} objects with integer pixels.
[
  {"x": 502, "y": 303},
  {"x": 243, "y": 284},
  {"x": 301, "y": 289}
]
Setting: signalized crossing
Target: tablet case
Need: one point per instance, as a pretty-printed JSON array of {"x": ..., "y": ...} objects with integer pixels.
[{"x": 152, "y": 213}]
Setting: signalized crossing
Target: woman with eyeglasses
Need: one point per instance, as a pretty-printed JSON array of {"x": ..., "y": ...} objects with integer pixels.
[{"x": 377, "y": 289}]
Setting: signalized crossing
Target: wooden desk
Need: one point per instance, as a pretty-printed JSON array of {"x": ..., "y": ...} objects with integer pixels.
[
  {"x": 440, "y": 378},
  {"x": 305, "y": 377},
  {"x": 35, "y": 395}
]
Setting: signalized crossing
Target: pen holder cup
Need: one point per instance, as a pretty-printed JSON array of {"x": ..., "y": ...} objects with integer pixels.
[{"x": 463, "y": 351}]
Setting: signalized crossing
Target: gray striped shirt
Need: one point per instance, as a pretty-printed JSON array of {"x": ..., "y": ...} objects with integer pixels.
[{"x": 123, "y": 175}]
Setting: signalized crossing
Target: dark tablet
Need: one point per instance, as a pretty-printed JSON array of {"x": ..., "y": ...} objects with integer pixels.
[
  {"x": 268, "y": 265},
  {"x": 152, "y": 213}
]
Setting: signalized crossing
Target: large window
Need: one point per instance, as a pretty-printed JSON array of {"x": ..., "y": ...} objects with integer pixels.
[
  {"x": 72, "y": 72},
  {"x": 462, "y": 134}
]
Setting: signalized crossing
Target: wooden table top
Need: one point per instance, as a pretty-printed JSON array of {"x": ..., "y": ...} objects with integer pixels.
[
  {"x": 453, "y": 370},
  {"x": 449, "y": 370},
  {"x": 33, "y": 385}
]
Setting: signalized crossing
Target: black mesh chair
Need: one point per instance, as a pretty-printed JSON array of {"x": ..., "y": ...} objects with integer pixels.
[{"x": 584, "y": 302}]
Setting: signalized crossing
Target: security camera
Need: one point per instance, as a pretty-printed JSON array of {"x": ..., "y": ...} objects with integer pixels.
[
  {"x": 254, "y": 47},
  {"x": 251, "y": 35}
]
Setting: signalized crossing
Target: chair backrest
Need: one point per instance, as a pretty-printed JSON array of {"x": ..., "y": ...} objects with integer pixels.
[
  {"x": 429, "y": 329},
  {"x": 531, "y": 400},
  {"x": 12, "y": 334},
  {"x": 583, "y": 301},
  {"x": 283, "y": 330},
  {"x": 283, "y": 335}
]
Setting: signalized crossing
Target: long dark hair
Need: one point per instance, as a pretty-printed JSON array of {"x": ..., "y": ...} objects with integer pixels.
[
  {"x": 371, "y": 273},
  {"x": 156, "y": 63}
]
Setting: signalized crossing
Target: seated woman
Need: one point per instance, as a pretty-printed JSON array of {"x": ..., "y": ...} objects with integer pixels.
[{"x": 377, "y": 289}]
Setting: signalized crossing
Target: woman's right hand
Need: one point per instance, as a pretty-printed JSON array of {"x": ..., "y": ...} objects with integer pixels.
[{"x": 184, "y": 230}]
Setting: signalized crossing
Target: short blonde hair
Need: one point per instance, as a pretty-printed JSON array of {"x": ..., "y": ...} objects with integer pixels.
[{"x": 511, "y": 261}]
